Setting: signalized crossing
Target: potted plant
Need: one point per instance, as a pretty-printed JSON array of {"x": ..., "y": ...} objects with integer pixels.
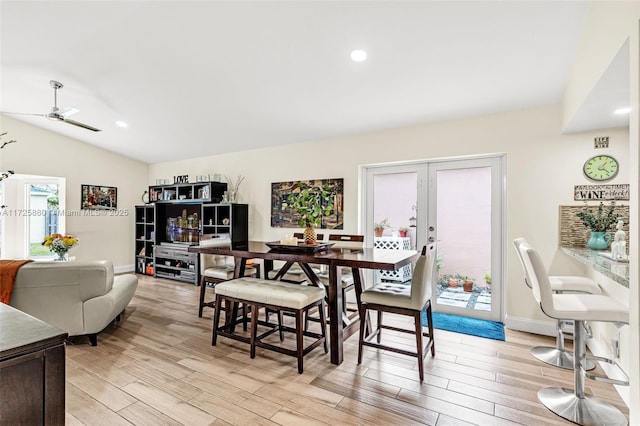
[
  {"x": 379, "y": 227},
  {"x": 403, "y": 231},
  {"x": 454, "y": 280},
  {"x": 311, "y": 203},
  {"x": 487, "y": 278},
  {"x": 600, "y": 222},
  {"x": 467, "y": 283},
  {"x": 443, "y": 280}
]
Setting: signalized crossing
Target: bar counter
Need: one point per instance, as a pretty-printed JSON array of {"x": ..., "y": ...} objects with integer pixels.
[{"x": 617, "y": 271}]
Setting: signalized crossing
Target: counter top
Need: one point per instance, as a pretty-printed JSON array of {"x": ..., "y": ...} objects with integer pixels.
[{"x": 617, "y": 271}]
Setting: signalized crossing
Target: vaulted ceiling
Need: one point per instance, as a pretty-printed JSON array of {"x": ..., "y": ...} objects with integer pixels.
[{"x": 194, "y": 78}]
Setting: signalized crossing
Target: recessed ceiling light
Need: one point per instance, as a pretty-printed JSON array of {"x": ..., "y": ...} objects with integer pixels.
[
  {"x": 358, "y": 55},
  {"x": 621, "y": 111},
  {"x": 122, "y": 124}
]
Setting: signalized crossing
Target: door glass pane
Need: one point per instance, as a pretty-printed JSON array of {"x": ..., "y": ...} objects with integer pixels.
[
  {"x": 464, "y": 237},
  {"x": 44, "y": 205},
  {"x": 394, "y": 200}
]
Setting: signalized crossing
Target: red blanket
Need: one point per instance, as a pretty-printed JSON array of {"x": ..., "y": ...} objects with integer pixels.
[{"x": 8, "y": 272}]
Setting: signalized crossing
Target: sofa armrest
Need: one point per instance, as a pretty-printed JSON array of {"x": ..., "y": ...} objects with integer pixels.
[{"x": 100, "y": 311}]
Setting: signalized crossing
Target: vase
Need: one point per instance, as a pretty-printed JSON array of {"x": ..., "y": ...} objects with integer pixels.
[
  {"x": 309, "y": 235},
  {"x": 62, "y": 257},
  {"x": 599, "y": 240}
]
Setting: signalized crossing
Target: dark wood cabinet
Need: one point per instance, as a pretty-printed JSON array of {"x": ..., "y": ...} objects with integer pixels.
[
  {"x": 32, "y": 370},
  {"x": 165, "y": 230},
  {"x": 177, "y": 216}
]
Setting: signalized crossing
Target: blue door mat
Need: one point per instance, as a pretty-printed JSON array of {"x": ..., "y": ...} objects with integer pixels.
[{"x": 473, "y": 326}]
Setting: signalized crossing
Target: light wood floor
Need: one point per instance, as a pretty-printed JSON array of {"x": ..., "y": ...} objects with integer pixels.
[{"x": 157, "y": 367}]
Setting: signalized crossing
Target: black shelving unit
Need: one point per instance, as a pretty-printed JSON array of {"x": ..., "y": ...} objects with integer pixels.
[
  {"x": 145, "y": 238},
  {"x": 162, "y": 247},
  {"x": 232, "y": 219},
  {"x": 200, "y": 191}
]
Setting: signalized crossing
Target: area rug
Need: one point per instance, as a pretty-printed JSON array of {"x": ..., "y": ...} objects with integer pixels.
[{"x": 475, "y": 327}]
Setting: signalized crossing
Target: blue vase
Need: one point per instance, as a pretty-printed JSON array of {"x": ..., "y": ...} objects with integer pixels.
[{"x": 599, "y": 240}]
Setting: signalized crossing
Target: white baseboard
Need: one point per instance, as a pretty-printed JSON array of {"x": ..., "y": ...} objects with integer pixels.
[
  {"x": 528, "y": 325},
  {"x": 123, "y": 269}
]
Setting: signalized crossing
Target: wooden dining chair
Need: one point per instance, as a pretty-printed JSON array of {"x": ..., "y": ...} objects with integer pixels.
[
  {"x": 215, "y": 269},
  {"x": 351, "y": 243},
  {"x": 403, "y": 300}
]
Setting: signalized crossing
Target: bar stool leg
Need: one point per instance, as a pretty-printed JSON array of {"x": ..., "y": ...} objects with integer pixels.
[
  {"x": 558, "y": 356},
  {"x": 573, "y": 404}
]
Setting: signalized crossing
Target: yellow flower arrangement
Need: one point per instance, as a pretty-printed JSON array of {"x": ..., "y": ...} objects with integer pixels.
[{"x": 60, "y": 244}]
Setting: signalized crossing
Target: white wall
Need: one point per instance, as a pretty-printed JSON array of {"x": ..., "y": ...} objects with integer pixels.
[
  {"x": 607, "y": 26},
  {"x": 40, "y": 152},
  {"x": 542, "y": 168}
]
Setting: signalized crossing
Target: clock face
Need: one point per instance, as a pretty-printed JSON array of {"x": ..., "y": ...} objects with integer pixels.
[{"x": 601, "y": 167}]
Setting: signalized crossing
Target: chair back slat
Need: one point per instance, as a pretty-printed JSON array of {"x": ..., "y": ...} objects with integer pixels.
[
  {"x": 300, "y": 236},
  {"x": 424, "y": 275},
  {"x": 346, "y": 241}
]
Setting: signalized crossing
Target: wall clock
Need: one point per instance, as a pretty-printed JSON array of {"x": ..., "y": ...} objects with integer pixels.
[{"x": 601, "y": 168}]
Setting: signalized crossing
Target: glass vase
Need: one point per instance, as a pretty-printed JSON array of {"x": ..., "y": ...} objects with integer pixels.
[{"x": 62, "y": 257}]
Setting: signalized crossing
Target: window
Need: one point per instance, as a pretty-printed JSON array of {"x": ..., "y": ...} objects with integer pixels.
[
  {"x": 32, "y": 210},
  {"x": 44, "y": 202}
]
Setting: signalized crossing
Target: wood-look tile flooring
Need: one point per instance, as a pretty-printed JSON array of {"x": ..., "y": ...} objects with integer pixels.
[{"x": 157, "y": 367}]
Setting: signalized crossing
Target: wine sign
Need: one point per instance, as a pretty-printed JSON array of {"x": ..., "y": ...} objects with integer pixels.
[{"x": 601, "y": 192}]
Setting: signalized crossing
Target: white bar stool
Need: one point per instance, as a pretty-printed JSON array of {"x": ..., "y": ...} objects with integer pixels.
[
  {"x": 573, "y": 404},
  {"x": 558, "y": 356}
]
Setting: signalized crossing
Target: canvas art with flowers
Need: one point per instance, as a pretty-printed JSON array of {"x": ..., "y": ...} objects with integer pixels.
[{"x": 60, "y": 244}]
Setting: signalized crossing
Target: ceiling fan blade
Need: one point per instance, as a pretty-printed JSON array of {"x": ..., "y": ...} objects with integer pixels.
[
  {"x": 22, "y": 113},
  {"x": 84, "y": 126}
]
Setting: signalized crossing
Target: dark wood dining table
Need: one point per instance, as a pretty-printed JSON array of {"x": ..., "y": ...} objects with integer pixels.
[{"x": 334, "y": 258}]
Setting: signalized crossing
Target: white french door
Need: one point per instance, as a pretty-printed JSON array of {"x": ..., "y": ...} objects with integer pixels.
[
  {"x": 466, "y": 218},
  {"x": 460, "y": 204}
]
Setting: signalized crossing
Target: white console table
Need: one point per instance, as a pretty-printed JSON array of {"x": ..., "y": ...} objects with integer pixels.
[{"x": 394, "y": 243}]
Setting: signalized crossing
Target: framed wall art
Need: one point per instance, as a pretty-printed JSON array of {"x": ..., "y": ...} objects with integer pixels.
[
  {"x": 96, "y": 197},
  {"x": 283, "y": 217}
]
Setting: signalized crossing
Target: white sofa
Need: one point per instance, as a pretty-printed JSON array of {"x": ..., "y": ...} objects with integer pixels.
[{"x": 81, "y": 298}]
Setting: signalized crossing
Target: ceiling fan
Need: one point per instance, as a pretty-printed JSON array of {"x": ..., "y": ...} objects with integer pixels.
[{"x": 58, "y": 114}]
